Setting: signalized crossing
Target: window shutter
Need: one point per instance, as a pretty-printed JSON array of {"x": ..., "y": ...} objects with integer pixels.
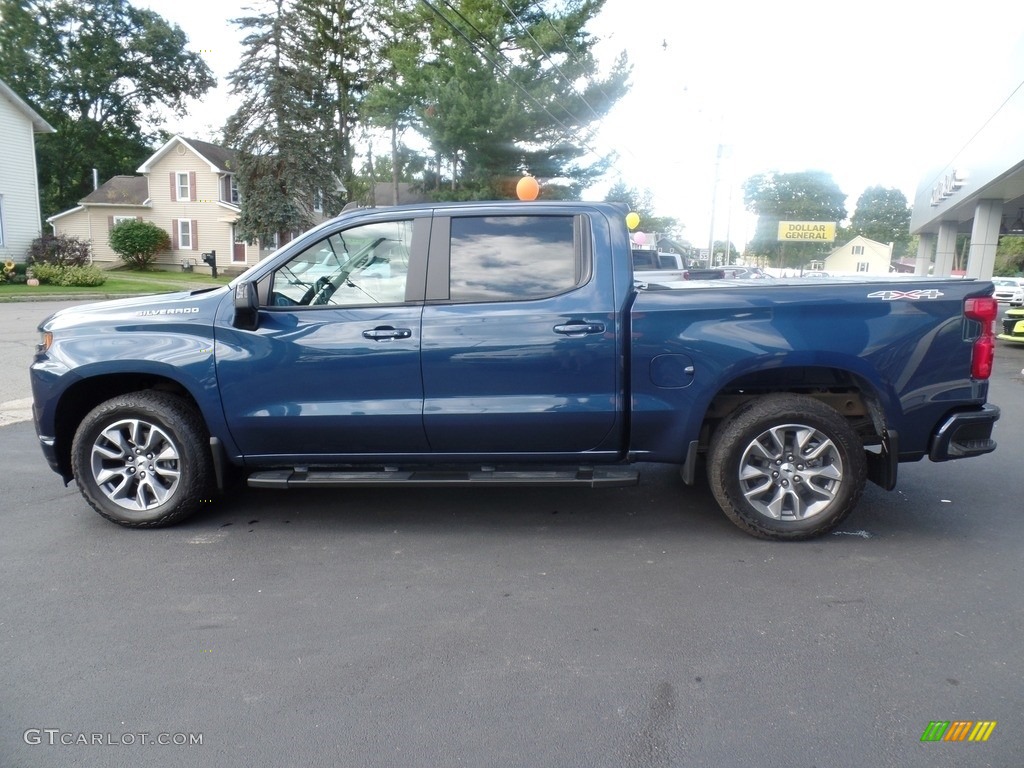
[
  {"x": 174, "y": 187},
  {"x": 192, "y": 185},
  {"x": 195, "y": 236},
  {"x": 174, "y": 234},
  {"x": 110, "y": 223}
]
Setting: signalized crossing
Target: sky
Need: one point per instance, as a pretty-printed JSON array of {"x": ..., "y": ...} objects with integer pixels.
[{"x": 876, "y": 92}]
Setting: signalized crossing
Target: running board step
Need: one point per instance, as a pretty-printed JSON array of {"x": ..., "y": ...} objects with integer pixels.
[{"x": 421, "y": 478}]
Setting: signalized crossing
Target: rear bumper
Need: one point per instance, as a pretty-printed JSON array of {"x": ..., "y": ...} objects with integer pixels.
[{"x": 964, "y": 434}]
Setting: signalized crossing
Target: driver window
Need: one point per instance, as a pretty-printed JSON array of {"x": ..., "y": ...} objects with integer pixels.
[{"x": 367, "y": 264}]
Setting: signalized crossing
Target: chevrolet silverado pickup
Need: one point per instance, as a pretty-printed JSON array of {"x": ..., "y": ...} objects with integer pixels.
[{"x": 508, "y": 343}]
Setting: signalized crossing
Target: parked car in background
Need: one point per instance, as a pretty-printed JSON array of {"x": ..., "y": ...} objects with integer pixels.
[
  {"x": 1013, "y": 326},
  {"x": 815, "y": 273},
  {"x": 1009, "y": 290}
]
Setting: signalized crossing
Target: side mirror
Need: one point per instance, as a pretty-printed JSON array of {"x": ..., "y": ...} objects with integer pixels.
[{"x": 247, "y": 312}]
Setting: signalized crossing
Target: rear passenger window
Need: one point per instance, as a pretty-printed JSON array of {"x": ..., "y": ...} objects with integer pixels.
[{"x": 512, "y": 258}]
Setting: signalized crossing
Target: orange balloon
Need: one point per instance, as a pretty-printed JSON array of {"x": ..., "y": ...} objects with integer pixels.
[{"x": 527, "y": 188}]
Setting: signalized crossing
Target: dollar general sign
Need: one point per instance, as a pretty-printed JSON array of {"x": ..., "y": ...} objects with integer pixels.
[{"x": 820, "y": 231}]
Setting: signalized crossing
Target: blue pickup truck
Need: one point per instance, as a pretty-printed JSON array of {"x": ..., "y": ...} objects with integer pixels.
[{"x": 507, "y": 343}]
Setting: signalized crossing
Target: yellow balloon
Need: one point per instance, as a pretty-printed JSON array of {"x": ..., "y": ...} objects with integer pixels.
[{"x": 632, "y": 220}]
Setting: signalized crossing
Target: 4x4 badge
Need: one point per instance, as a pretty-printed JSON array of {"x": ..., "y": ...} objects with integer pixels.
[{"x": 931, "y": 293}]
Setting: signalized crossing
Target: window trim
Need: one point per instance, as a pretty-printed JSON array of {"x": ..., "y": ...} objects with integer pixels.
[
  {"x": 182, "y": 225},
  {"x": 439, "y": 261},
  {"x": 178, "y": 186},
  {"x": 415, "y": 277}
]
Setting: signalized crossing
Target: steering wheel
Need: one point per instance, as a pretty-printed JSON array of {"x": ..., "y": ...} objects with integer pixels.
[{"x": 323, "y": 289}]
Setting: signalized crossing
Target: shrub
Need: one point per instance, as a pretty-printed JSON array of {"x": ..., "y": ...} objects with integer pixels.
[
  {"x": 62, "y": 250},
  {"x": 139, "y": 242},
  {"x": 52, "y": 274}
]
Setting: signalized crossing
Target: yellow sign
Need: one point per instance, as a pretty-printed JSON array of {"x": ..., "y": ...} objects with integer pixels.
[{"x": 818, "y": 231}]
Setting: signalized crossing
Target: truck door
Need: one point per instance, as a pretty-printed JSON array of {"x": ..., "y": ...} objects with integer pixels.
[
  {"x": 519, "y": 347},
  {"x": 334, "y": 367}
]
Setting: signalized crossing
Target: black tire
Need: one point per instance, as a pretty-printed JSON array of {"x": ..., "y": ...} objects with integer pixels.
[
  {"x": 759, "y": 479},
  {"x": 142, "y": 460}
]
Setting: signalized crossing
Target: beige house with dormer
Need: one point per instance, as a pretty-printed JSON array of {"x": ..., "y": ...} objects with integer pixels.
[{"x": 187, "y": 188}]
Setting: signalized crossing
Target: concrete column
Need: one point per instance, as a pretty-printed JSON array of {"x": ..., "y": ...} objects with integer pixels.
[
  {"x": 945, "y": 249},
  {"x": 984, "y": 239},
  {"x": 925, "y": 249}
]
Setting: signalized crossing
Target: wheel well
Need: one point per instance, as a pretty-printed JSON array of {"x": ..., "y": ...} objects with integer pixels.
[
  {"x": 845, "y": 392},
  {"x": 83, "y": 396}
]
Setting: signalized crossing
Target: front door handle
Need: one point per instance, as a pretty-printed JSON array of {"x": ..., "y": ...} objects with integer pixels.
[
  {"x": 579, "y": 329},
  {"x": 387, "y": 333}
]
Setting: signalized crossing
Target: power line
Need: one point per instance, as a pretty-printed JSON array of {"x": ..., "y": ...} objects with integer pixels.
[
  {"x": 550, "y": 61},
  {"x": 978, "y": 132},
  {"x": 491, "y": 61},
  {"x": 478, "y": 50}
]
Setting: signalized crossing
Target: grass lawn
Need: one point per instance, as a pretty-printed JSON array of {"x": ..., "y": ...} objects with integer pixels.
[{"x": 119, "y": 282}]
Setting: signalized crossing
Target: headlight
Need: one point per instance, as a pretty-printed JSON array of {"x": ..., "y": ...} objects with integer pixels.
[{"x": 45, "y": 340}]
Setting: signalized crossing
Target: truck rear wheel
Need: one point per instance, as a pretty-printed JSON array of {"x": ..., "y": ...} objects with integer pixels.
[
  {"x": 141, "y": 459},
  {"x": 786, "y": 466}
]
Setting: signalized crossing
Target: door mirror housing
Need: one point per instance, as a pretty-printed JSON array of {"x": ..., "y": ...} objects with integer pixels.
[{"x": 247, "y": 308}]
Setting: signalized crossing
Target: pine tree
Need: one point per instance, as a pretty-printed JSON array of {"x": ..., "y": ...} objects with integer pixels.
[{"x": 286, "y": 156}]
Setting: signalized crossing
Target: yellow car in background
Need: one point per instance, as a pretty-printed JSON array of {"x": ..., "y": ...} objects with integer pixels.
[{"x": 1013, "y": 326}]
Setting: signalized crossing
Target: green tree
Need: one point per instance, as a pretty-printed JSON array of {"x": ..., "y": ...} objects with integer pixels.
[
  {"x": 286, "y": 155},
  {"x": 139, "y": 242},
  {"x": 391, "y": 102},
  {"x": 803, "y": 196},
  {"x": 1010, "y": 255},
  {"x": 341, "y": 46},
  {"x": 642, "y": 203},
  {"x": 96, "y": 71},
  {"x": 509, "y": 85},
  {"x": 883, "y": 215}
]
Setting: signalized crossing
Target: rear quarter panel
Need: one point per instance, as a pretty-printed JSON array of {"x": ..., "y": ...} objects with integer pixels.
[{"x": 913, "y": 355}]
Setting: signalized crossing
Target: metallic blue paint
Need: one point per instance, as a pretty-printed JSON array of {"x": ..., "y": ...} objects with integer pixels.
[{"x": 499, "y": 381}]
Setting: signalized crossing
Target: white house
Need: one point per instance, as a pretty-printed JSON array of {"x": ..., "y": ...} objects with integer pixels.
[
  {"x": 860, "y": 256},
  {"x": 19, "y": 183}
]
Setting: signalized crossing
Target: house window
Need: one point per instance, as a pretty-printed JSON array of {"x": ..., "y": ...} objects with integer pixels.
[
  {"x": 1, "y": 220},
  {"x": 318, "y": 201},
  {"x": 863, "y": 266},
  {"x": 857, "y": 250},
  {"x": 119, "y": 219},
  {"x": 183, "y": 186},
  {"x": 236, "y": 199},
  {"x": 185, "y": 234}
]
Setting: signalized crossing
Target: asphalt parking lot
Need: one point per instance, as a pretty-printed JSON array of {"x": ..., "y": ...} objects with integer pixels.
[{"x": 523, "y": 627}]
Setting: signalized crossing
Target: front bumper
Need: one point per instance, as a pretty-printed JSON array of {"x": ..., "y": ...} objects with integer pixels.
[
  {"x": 1013, "y": 326},
  {"x": 964, "y": 434}
]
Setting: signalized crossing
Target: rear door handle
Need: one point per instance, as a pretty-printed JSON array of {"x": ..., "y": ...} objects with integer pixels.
[
  {"x": 579, "y": 329},
  {"x": 387, "y": 333}
]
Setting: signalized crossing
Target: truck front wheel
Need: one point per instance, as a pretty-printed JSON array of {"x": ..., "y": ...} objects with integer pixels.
[
  {"x": 786, "y": 466},
  {"x": 141, "y": 461}
]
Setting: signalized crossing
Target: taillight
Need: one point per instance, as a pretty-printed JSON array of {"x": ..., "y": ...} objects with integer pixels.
[{"x": 982, "y": 309}]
